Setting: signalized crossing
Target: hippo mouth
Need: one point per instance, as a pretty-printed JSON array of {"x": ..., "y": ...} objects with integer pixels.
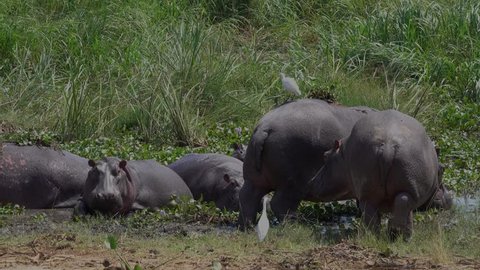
[{"x": 107, "y": 206}]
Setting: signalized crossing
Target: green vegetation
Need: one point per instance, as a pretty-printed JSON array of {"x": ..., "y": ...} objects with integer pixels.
[
  {"x": 158, "y": 79},
  {"x": 444, "y": 237},
  {"x": 441, "y": 236},
  {"x": 8, "y": 210},
  {"x": 112, "y": 243},
  {"x": 165, "y": 72},
  {"x": 11, "y": 209}
]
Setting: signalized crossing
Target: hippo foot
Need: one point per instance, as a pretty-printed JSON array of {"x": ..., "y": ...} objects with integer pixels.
[
  {"x": 395, "y": 232},
  {"x": 80, "y": 209},
  {"x": 245, "y": 227}
]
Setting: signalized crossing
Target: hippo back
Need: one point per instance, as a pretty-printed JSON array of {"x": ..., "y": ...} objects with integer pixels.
[
  {"x": 40, "y": 177},
  {"x": 158, "y": 184},
  {"x": 213, "y": 177}
]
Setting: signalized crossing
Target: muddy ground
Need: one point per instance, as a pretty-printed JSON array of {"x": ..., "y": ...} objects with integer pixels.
[{"x": 48, "y": 239}]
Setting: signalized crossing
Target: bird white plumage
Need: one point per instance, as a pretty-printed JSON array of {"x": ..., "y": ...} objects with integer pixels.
[
  {"x": 290, "y": 85},
  {"x": 263, "y": 224}
]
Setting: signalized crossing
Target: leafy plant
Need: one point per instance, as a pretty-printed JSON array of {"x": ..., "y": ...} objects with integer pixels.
[
  {"x": 112, "y": 243},
  {"x": 316, "y": 212},
  {"x": 186, "y": 211},
  {"x": 10, "y": 209},
  {"x": 33, "y": 137}
]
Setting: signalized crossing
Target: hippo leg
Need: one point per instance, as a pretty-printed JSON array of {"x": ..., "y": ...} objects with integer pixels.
[
  {"x": 285, "y": 203},
  {"x": 370, "y": 216},
  {"x": 402, "y": 217},
  {"x": 80, "y": 209},
  {"x": 250, "y": 203}
]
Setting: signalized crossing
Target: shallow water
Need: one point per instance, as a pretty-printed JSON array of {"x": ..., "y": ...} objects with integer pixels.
[
  {"x": 467, "y": 203},
  {"x": 343, "y": 226}
]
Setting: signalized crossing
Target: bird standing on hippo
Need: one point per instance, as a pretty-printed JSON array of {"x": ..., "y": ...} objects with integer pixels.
[
  {"x": 290, "y": 85},
  {"x": 389, "y": 164},
  {"x": 115, "y": 186},
  {"x": 39, "y": 177},
  {"x": 213, "y": 177}
]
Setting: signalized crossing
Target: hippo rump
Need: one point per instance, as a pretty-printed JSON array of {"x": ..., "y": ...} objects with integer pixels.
[
  {"x": 39, "y": 177},
  {"x": 389, "y": 164},
  {"x": 284, "y": 152},
  {"x": 115, "y": 186},
  {"x": 213, "y": 177}
]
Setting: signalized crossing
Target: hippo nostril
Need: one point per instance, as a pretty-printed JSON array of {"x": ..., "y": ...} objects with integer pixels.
[{"x": 104, "y": 196}]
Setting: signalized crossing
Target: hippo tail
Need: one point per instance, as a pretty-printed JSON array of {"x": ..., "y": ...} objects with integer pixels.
[
  {"x": 386, "y": 155},
  {"x": 258, "y": 142}
]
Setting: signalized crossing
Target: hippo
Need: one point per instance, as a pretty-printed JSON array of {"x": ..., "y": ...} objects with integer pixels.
[
  {"x": 213, "y": 177},
  {"x": 285, "y": 152},
  {"x": 442, "y": 199},
  {"x": 389, "y": 164},
  {"x": 39, "y": 177},
  {"x": 115, "y": 186},
  {"x": 239, "y": 151}
]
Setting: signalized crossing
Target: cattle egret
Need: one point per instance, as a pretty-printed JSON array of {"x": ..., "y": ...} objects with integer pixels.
[
  {"x": 290, "y": 85},
  {"x": 263, "y": 224}
]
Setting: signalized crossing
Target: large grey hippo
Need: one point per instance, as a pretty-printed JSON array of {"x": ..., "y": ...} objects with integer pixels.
[
  {"x": 214, "y": 177},
  {"x": 40, "y": 177},
  {"x": 286, "y": 150},
  {"x": 389, "y": 164},
  {"x": 115, "y": 186}
]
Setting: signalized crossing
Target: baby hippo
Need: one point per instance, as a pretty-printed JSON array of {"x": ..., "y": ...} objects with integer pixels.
[
  {"x": 389, "y": 164},
  {"x": 115, "y": 186},
  {"x": 214, "y": 177}
]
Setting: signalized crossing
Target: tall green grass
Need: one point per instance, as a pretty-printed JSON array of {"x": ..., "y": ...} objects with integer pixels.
[{"x": 168, "y": 69}]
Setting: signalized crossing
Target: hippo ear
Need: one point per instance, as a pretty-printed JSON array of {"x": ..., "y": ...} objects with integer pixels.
[
  {"x": 337, "y": 145},
  {"x": 230, "y": 181},
  {"x": 227, "y": 179},
  {"x": 91, "y": 163},
  {"x": 122, "y": 164}
]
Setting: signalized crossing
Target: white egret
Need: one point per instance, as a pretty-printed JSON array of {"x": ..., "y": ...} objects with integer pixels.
[
  {"x": 290, "y": 85},
  {"x": 263, "y": 224}
]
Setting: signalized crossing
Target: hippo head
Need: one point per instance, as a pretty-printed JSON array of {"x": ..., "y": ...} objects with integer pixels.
[
  {"x": 109, "y": 187},
  {"x": 229, "y": 199},
  {"x": 442, "y": 198},
  {"x": 239, "y": 151}
]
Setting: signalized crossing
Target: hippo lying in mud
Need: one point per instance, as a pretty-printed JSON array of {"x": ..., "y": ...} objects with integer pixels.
[
  {"x": 285, "y": 152},
  {"x": 115, "y": 186},
  {"x": 214, "y": 177},
  {"x": 40, "y": 177},
  {"x": 389, "y": 164}
]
